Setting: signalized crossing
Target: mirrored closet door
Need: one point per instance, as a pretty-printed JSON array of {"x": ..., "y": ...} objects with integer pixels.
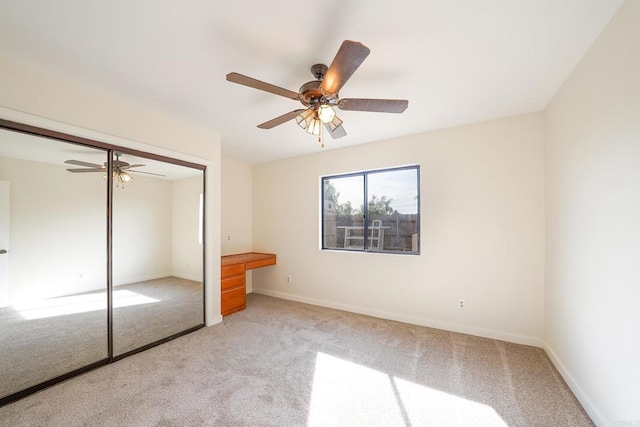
[
  {"x": 53, "y": 277},
  {"x": 101, "y": 254},
  {"x": 157, "y": 251}
]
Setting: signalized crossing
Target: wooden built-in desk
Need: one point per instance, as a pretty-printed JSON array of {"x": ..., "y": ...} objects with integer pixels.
[{"x": 233, "y": 291}]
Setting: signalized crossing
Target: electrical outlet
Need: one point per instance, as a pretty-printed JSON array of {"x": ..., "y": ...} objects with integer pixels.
[
  {"x": 461, "y": 303},
  {"x": 288, "y": 279},
  {"x": 228, "y": 237}
]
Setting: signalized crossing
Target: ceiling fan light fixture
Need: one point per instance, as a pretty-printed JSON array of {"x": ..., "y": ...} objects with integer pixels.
[
  {"x": 304, "y": 118},
  {"x": 334, "y": 123},
  {"x": 119, "y": 177},
  {"x": 124, "y": 177},
  {"x": 314, "y": 126},
  {"x": 326, "y": 113}
]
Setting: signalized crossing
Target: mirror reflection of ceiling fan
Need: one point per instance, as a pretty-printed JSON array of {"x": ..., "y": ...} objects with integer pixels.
[
  {"x": 121, "y": 169},
  {"x": 320, "y": 96}
]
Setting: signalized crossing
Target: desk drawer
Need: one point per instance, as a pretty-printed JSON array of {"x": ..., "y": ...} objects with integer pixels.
[
  {"x": 233, "y": 300},
  {"x": 261, "y": 263},
  {"x": 231, "y": 270},
  {"x": 232, "y": 282}
]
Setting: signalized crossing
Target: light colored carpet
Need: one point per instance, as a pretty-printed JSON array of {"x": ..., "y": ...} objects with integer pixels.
[
  {"x": 281, "y": 363},
  {"x": 178, "y": 305}
]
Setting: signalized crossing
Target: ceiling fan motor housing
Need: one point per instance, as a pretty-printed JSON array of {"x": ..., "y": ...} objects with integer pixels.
[
  {"x": 311, "y": 95},
  {"x": 319, "y": 71}
]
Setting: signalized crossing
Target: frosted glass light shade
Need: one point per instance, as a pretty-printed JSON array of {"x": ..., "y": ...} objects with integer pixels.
[
  {"x": 335, "y": 122},
  {"x": 124, "y": 177},
  {"x": 326, "y": 113},
  {"x": 314, "y": 127},
  {"x": 304, "y": 118}
]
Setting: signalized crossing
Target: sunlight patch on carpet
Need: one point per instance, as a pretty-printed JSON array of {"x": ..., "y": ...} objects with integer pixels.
[
  {"x": 347, "y": 393},
  {"x": 74, "y": 304}
]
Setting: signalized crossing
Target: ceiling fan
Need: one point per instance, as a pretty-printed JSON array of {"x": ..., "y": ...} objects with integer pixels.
[
  {"x": 321, "y": 96},
  {"x": 121, "y": 169}
]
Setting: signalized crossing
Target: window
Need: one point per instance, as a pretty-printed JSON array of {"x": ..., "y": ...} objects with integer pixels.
[{"x": 388, "y": 222}]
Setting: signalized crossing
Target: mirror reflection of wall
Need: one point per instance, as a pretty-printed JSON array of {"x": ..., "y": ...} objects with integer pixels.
[{"x": 54, "y": 274}]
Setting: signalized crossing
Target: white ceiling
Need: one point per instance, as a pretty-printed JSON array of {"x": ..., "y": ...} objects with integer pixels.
[{"x": 456, "y": 61}]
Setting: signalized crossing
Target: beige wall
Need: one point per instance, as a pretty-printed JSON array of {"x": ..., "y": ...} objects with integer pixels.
[
  {"x": 37, "y": 98},
  {"x": 482, "y": 228},
  {"x": 236, "y": 206},
  {"x": 186, "y": 247},
  {"x": 592, "y": 131},
  {"x": 57, "y": 248},
  {"x": 142, "y": 223}
]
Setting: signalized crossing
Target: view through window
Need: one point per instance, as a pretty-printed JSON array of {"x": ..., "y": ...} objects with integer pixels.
[{"x": 388, "y": 222}]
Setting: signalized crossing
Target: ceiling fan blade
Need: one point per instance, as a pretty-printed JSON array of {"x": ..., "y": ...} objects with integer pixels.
[
  {"x": 375, "y": 105},
  {"x": 349, "y": 57},
  {"x": 81, "y": 163},
  {"x": 257, "y": 84},
  {"x": 131, "y": 166},
  {"x": 86, "y": 170},
  {"x": 280, "y": 120},
  {"x": 338, "y": 132},
  {"x": 146, "y": 173}
]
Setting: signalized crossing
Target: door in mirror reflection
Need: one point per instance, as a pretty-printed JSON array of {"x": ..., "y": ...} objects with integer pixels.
[
  {"x": 53, "y": 275},
  {"x": 157, "y": 252}
]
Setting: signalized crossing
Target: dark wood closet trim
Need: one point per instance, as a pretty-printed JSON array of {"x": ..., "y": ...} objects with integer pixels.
[
  {"x": 27, "y": 391},
  {"x": 156, "y": 343},
  {"x": 34, "y": 130}
]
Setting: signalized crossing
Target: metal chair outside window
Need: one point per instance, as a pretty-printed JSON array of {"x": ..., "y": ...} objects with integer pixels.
[{"x": 376, "y": 235}]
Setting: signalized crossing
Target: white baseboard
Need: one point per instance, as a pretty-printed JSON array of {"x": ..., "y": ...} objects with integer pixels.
[
  {"x": 582, "y": 397},
  {"x": 188, "y": 277},
  {"x": 430, "y": 323},
  {"x": 214, "y": 320},
  {"x": 129, "y": 280}
]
